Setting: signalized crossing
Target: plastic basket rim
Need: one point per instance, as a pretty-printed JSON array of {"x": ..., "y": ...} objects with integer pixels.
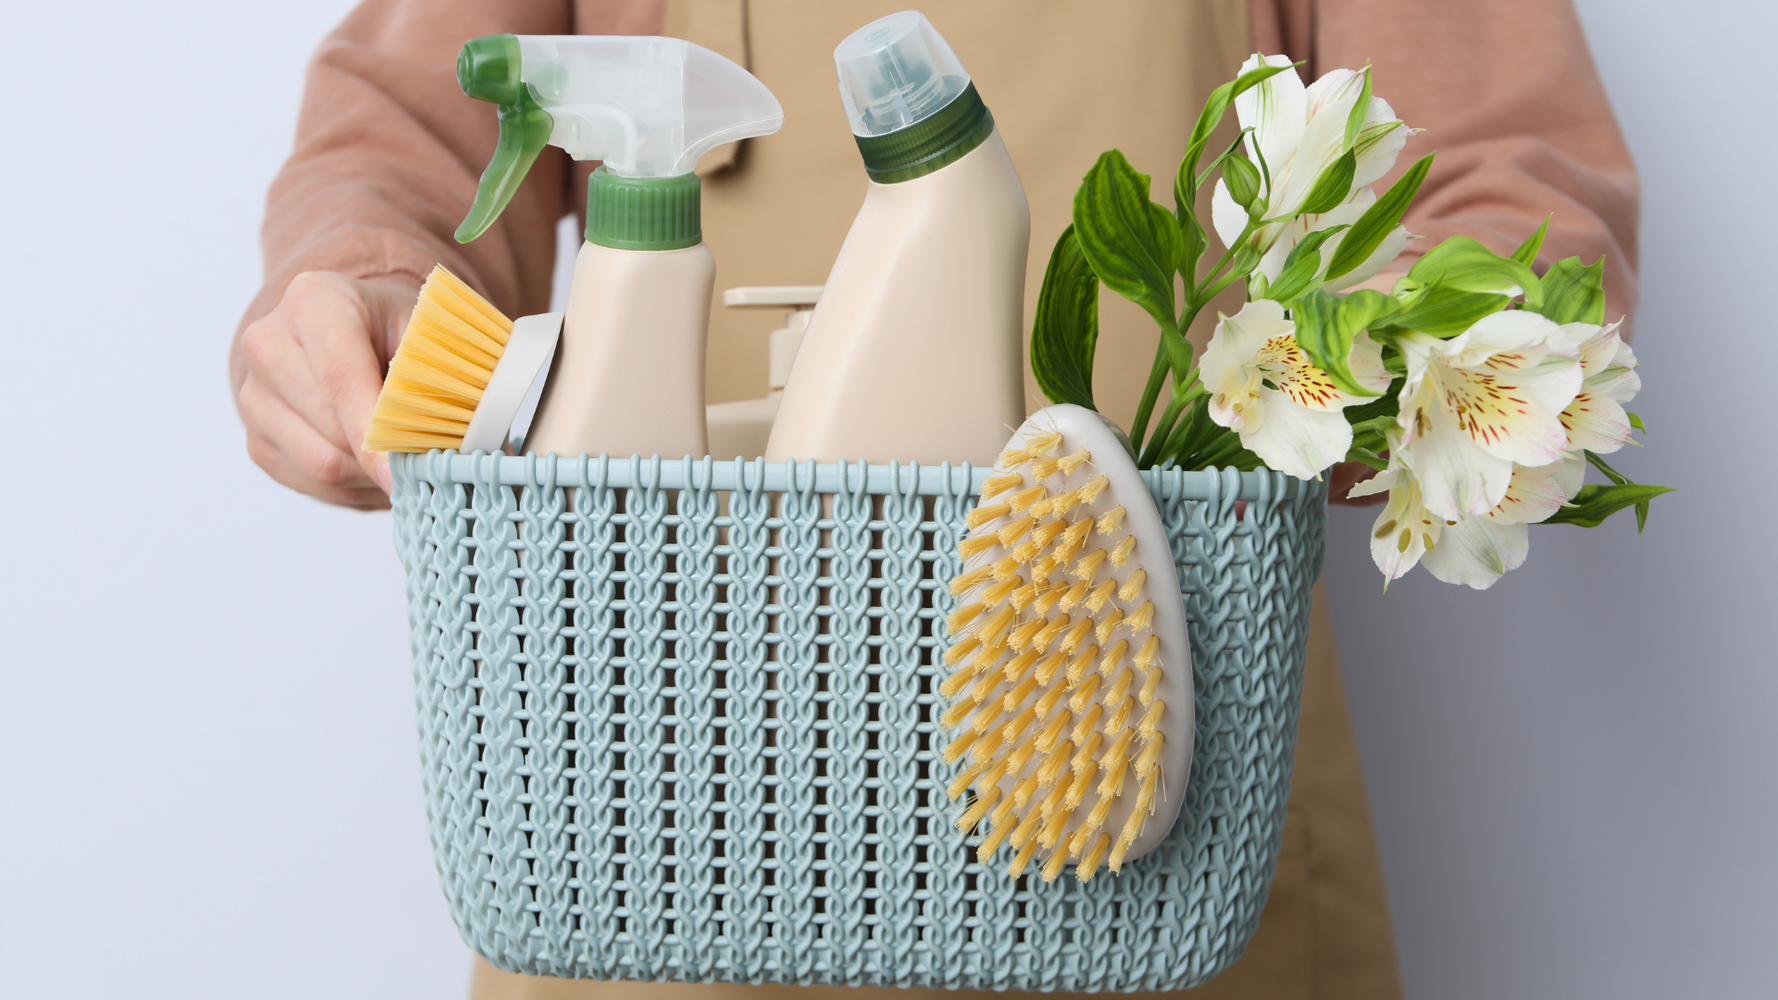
[{"x": 963, "y": 479}]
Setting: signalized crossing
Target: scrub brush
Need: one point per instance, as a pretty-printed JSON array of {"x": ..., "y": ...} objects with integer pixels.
[
  {"x": 1070, "y": 694},
  {"x": 461, "y": 373}
]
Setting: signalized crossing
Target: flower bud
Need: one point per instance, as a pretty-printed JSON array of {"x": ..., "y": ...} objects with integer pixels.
[{"x": 1242, "y": 178}]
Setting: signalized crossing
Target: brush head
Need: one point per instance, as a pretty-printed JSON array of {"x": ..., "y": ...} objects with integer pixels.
[
  {"x": 461, "y": 372},
  {"x": 1071, "y": 691}
]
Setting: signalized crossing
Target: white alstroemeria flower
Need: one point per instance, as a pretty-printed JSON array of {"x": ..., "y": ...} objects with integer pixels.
[
  {"x": 1596, "y": 420},
  {"x": 1299, "y": 131},
  {"x": 1474, "y": 550},
  {"x": 1286, "y": 410},
  {"x": 1474, "y": 406}
]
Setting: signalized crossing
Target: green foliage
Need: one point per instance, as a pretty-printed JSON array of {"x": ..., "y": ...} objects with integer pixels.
[
  {"x": 1300, "y": 268},
  {"x": 1242, "y": 178},
  {"x": 1445, "y": 312},
  {"x": 1214, "y": 107},
  {"x": 1594, "y": 503},
  {"x": 1066, "y": 330},
  {"x": 1527, "y": 252},
  {"x": 1133, "y": 245},
  {"x": 1618, "y": 479},
  {"x": 1378, "y": 221},
  {"x": 1461, "y": 264},
  {"x": 1327, "y": 324},
  {"x": 1332, "y": 187},
  {"x": 1574, "y": 292},
  {"x": 1360, "y": 109}
]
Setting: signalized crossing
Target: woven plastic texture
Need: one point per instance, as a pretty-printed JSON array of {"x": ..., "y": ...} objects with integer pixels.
[{"x": 678, "y": 722}]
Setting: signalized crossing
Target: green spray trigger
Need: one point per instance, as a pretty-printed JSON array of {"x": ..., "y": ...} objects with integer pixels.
[{"x": 488, "y": 70}]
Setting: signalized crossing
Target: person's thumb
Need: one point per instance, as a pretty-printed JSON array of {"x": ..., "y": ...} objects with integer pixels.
[{"x": 387, "y": 304}]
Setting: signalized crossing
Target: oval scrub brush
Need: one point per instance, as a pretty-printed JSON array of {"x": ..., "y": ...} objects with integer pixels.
[
  {"x": 1071, "y": 687},
  {"x": 461, "y": 372}
]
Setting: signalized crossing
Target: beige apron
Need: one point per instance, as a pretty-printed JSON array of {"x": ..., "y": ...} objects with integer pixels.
[{"x": 1066, "y": 80}]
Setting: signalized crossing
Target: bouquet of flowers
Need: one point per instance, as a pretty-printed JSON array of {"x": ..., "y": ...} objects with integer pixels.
[{"x": 1479, "y": 390}]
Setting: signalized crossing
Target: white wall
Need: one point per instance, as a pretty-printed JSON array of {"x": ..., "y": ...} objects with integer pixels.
[{"x": 208, "y": 784}]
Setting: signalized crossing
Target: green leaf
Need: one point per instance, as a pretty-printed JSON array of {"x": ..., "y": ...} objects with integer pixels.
[
  {"x": 1242, "y": 178},
  {"x": 1066, "y": 329},
  {"x": 1378, "y": 221},
  {"x": 1462, "y": 264},
  {"x": 1361, "y": 108},
  {"x": 1215, "y": 106},
  {"x": 1374, "y": 133},
  {"x": 1445, "y": 312},
  {"x": 1594, "y": 503},
  {"x": 1574, "y": 292},
  {"x": 1194, "y": 243},
  {"x": 1527, "y": 252},
  {"x": 1332, "y": 187},
  {"x": 1635, "y": 421},
  {"x": 1327, "y": 324},
  {"x": 1134, "y": 245},
  {"x": 1301, "y": 267}
]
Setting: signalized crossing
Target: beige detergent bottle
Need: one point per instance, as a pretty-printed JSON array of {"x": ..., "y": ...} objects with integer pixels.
[
  {"x": 914, "y": 351},
  {"x": 628, "y": 376}
]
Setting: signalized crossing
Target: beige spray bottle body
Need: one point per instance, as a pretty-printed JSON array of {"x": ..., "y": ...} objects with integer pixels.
[
  {"x": 628, "y": 377},
  {"x": 629, "y": 372},
  {"x": 914, "y": 352}
]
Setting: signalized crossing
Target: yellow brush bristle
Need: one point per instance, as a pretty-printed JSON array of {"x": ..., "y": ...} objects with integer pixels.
[
  {"x": 1150, "y": 755},
  {"x": 1121, "y": 554},
  {"x": 1068, "y": 463},
  {"x": 967, "y": 581},
  {"x": 982, "y": 515},
  {"x": 974, "y": 545},
  {"x": 964, "y": 780},
  {"x": 1050, "y": 704},
  {"x": 1102, "y": 593},
  {"x": 452, "y": 343},
  {"x": 996, "y": 485},
  {"x": 1089, "y": 564},
  {"x": 960, "y": 649},
  {"x": 1077, "y": 667},
  {"x": 1114, "y": 656},
  {"x": 1150, "y": 686},
  {"x": 1111, "y": 520}
]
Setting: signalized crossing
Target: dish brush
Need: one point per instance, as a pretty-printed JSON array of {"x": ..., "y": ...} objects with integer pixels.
[
  {"x": 461, "y": 372},
  {"x": 1070, "y": 691}
]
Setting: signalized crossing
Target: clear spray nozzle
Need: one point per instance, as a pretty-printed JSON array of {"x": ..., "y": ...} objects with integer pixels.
[{"x": 647, "y": 106}]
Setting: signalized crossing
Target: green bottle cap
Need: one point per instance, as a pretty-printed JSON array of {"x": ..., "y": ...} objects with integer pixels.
[
  {"x": 644, "y": 213},
  {"x": 930, "y": 144}
]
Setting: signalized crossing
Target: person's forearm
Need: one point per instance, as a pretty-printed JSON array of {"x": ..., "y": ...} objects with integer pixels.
[
  {"x": 1507, "y": 94},
  {"x": 388, "y": 151}
]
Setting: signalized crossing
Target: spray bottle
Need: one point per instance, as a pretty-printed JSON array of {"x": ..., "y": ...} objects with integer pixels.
[
  {"x": 629, "y": 372},
  {"x": 914, "y": 351}
]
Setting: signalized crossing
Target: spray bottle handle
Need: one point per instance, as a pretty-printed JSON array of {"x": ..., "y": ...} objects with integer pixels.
[{"x": 488, "y": 70}]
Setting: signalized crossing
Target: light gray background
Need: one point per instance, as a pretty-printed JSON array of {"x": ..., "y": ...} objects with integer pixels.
[{"x": 208, "y": 784}]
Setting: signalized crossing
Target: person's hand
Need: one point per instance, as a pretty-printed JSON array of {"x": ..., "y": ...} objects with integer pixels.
[{"x": 306, "y": 377}]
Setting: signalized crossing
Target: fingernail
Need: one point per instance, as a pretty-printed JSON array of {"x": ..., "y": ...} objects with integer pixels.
[{"x": 383, "y": 476}]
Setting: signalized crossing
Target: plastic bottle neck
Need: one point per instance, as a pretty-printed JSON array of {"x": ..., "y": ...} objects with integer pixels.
[
  {"x": 644, "y": 213},
  {"x": 930, "y": 144}
]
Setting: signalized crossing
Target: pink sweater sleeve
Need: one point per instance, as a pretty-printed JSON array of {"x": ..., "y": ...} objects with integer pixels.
[
  {"x": 1507, "y": 94},
  {"x": 388, "y": 152}
]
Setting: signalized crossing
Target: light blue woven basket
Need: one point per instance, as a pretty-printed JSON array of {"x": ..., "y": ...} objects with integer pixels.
[{"x": 676, "y": 725}]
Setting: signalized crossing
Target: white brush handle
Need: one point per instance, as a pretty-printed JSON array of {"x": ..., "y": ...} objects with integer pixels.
[{"x": 529, "y": 346}]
